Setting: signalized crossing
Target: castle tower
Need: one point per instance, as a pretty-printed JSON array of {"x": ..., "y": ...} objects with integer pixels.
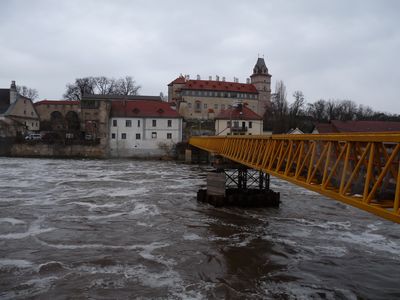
[{"x": 262, "y": 81}]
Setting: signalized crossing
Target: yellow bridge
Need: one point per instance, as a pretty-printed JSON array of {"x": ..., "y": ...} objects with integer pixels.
[{"x": 358, "y": 169}]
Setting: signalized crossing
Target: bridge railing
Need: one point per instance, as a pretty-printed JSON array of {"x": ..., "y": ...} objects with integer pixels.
[{"x": 359, "y": 169}]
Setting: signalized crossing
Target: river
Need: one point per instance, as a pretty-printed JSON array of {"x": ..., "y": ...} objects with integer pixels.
[{"x": 126, "y": 229}]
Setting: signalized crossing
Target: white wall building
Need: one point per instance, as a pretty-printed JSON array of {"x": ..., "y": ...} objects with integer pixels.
[
  {"x": 238, "y": 121},
  {"x": 143, "y": 129}
]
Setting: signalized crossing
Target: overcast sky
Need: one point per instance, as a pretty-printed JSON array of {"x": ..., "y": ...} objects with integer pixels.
[{"x": 327, "y": 49}]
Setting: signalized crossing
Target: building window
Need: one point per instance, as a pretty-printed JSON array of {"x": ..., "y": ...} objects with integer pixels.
[
  {"x": 24, "y": 112},
  {"x": 113, "y": 135},
  {"x": 138, "y": 136},
  {"x": 250, "y": 124},
  {"x": 169, "y": 136},
  {"x": 197, "y": 105},
  {"x": 123, "y": 136},
  {"x": 189, "y": 105},
  {"x": 228, "y": 124},
  {"x": 154, "y": 135},
  {"x": 128, "y": 123},
  {"x": 114, "y": 123},
  {"x": 205, "y": 105},
  {"x": 222, "y": 106},
  {"x": 169, "y": 123},
  {"x": 215, "y": 106},
  {"x": 243, "y": 124},
  {"x": 138, "y": 123},
  {"x": 154, "y": 123}
]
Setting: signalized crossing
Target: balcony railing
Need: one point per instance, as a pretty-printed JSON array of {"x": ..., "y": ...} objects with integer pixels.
[{"x": 239, "y": 129}]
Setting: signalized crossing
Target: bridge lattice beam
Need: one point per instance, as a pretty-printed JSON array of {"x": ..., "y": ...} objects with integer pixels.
[{"x": 358, "y": 169}]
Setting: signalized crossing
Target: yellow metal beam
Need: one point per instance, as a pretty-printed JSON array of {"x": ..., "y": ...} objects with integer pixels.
[{"x": 359, "y": 169}]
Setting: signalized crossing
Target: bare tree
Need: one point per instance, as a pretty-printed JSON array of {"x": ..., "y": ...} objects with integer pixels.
[
  {"x": 27, "y": 92},
  {"x": 277, "y": 112},
  {"x": 317, "y": 110},
  {"x": 348, "y": 110},
  {"x": 82, "y": 86},
  {"x": 296, "y": 108},
  {"x": 127, "y": 87},
  {"x": 104, "y": 85},
  {"x": 101, "y": 85}
]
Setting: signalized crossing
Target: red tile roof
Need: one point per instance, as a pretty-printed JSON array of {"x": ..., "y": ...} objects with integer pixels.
[
  {"x": 366, "y": 126},
  {"x": 59, "y": 102},
  {"x": 357, "y": 126},
  {"x": 179, "y": 80},
  {"x": 243, "y": 113},
  {"x": 211, "y": 85},
  {"x": 142, "y": 108},
  {"x": 325, "y": 128}
]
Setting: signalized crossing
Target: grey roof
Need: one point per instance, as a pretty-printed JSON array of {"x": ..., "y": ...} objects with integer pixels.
[
  {"x": 4, "y": 100},
  {"x": 120, "y": 97},
  {"x": 260, "y": 67}
]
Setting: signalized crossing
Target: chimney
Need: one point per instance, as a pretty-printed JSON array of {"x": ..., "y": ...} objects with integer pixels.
[
  {"x": 248, "y": 80},
  {"x": 223, "y": 78},
  {"x": 198, "y": 77},
  {"x": 13, "y": 92},
  {"x": 217, "y": 78},
  {"x": 210, "y": 78}
]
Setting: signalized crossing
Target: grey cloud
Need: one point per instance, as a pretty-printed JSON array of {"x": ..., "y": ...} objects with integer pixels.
[{"x": 327, "y": 49}]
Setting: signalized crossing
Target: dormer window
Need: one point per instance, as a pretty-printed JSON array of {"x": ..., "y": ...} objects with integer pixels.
[
  {"x": 136, "y": 110},
  {"x": 160, "y": 110}
]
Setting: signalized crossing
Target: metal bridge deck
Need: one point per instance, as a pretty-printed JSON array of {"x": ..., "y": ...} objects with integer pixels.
[{"x": 358, "y": 169}]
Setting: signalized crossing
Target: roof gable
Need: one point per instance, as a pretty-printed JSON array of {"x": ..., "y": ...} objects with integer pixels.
[{"x": 243, "y": 113}]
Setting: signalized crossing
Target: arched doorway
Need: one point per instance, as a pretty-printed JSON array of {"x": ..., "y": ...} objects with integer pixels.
[
  {"x": 72, "y": 121},
  {"x": 57, "y": 121}
]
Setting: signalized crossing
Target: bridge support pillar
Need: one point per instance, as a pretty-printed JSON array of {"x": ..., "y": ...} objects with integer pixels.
[{"x": 239, "y": 186}]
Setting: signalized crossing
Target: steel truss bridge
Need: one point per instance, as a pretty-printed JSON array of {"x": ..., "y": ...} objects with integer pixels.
[{"x": 358, "y": 169}]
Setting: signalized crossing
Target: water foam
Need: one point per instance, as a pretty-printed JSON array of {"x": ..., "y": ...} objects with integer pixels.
[
  {"x": 34, "y": 229},
  {"x": 18, "y": 263},
  {"x": 11, "y": 221},
  {"x": 93, "y": 206}
]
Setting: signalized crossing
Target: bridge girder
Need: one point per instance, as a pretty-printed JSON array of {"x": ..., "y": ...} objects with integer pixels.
[{"x": 358, "y": 169}]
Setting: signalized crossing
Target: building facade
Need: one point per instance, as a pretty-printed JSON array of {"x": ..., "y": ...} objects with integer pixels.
[
  {"x": 238, "y": 121},
  {"x": 59, "y": 115},
  {"x": 204, "y": 99},
  {"x": 143, "y": 129},
  {"x": 18, "y": 108}
]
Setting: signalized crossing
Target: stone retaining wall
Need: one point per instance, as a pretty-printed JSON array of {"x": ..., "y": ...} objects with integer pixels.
[{"x": 55, "y": 150}]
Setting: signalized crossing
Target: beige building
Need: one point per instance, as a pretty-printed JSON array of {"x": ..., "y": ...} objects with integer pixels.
[
  {"x": 238, "y": 121},
  {"x": 59, "y": 115},
  {"x": 204, "y": 99},
  {"x": 18, "y": 108}
]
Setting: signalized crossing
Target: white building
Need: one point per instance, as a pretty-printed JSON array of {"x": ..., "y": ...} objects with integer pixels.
[
  {"x": 143, "y": 128},
  {"x": 239, "y": 120}
]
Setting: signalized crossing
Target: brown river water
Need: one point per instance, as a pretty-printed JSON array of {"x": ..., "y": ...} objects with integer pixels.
[{"x": 125, "y": 229}]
